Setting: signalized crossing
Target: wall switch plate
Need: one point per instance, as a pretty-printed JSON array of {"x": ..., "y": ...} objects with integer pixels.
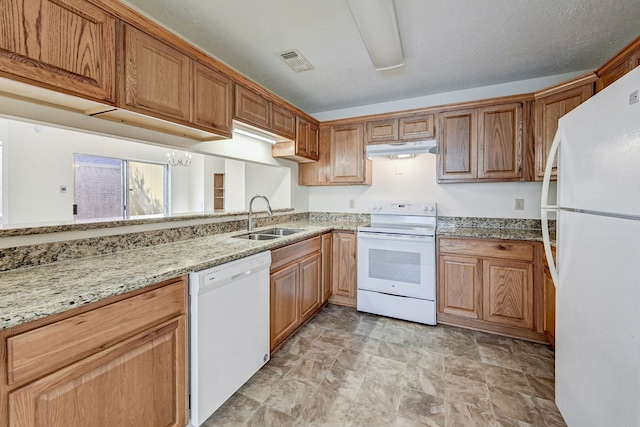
[
  {"x": 352, "y": 203},
  {"x": 633, "y": 97},
  {"x": 519, "y": 204}
]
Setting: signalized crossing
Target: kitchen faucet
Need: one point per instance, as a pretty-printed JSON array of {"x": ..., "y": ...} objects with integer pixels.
[{"x": 251, "y": 220}]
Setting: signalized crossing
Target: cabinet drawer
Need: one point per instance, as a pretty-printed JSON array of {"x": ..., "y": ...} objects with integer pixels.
[
  {"x": 516, "y": 250},
  {"x": 288, "y": 254},
  {"x": 39, "y": 351}
]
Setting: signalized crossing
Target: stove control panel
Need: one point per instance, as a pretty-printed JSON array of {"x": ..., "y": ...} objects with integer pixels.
[{"x": 404, "y": 208}]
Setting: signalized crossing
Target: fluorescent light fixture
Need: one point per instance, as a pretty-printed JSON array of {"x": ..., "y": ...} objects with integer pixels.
[
  {"x": 378, "y": 27},
  {"x": 404, "y": 156},
  {"x": 254, "y": 135}
]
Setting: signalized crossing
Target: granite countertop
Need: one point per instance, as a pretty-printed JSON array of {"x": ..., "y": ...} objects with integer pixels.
[
  {"x": 491, "y": 233},
  {"x": 33, "y": 293}
]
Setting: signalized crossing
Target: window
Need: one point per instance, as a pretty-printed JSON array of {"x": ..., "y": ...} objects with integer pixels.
[{"x": 110, "y": 188}]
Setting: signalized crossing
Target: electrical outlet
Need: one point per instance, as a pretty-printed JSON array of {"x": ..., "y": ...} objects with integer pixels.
[
  {"x": 519, "y": 204},
  {"x": 352, "y": 203},
  {"x": 633, "y": 97}
]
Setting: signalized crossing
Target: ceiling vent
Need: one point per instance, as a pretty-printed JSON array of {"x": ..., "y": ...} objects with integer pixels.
[{"x": 295, "y": 60}]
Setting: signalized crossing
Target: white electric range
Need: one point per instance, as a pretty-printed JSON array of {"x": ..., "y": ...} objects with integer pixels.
[{"x": 397, "y": 261}]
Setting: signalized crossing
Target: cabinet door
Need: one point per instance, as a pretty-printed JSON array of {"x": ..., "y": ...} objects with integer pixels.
[
  {"x": 140, "y": 381},
  {"x": 67, "y": 46},
  {"x": 549, "y": 308},
  {"x": 508, "y": 292},
  {"x": 500, "y": 142},
  {"x": 327, "y": 266},
  {"x": 548, "y": 111},
  {"x": 303, "y": 128},
  {"x": 460, "y": 286},
  {"x": 157, "y": 76},
  {"x": 626, "y": 60},
  {"x": 283, "y": 121},
  {"x": 346, "y": 152},
  {"x": 314, "y": 142},
  {"x": 416, "y": 127},
  {"x": 458, "y": 145},
  {"x": 285, "y": 313},
  {"x": 212, "y": 100},
  {"x": 382, "y": 131},
  {"x": 310, "y": 285},
  {"x": 344, "y": 265},
  {"x": 252, "y": 108}
]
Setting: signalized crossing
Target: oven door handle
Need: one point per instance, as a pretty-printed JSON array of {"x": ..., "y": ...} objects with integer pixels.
[{"x": 395, "y": 237}]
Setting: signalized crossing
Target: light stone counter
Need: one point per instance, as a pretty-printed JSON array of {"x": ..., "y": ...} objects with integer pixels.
[
  {"x": 32, "y": 293},
  {"x": 491, "y": 233}
]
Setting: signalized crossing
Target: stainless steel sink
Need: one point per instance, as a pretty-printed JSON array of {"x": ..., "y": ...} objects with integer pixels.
[
  {"x": 280, "y": 231},
  {"x": 257, "y": 236},
  {"x": 271, "y": 233}
]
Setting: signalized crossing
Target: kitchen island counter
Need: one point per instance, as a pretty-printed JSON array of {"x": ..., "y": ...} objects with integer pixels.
[{"x": 33, "y": 293}]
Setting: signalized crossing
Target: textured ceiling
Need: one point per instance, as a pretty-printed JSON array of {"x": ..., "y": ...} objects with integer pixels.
[{"x": 448, "y": 45}]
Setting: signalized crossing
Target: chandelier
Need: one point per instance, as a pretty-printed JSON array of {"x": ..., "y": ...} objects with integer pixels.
[{"x": 179, "y": 159}]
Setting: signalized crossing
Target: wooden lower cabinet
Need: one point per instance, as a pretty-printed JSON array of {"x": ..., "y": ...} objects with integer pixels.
[
  {"x": 549, "y": 293},
  {"x": 344, "y": 283},
  {"x": 508, "y": 292},
  {"x": 310, "y": 285},
  {"x": 460, "y": 286},
  {"x": 296, "y": 287},
  {"x": 121, "y": 364},
  {"x": 489, "y": 285},
  {"x": 327, "y": 265},
  {"x": 285, "y": 313}
]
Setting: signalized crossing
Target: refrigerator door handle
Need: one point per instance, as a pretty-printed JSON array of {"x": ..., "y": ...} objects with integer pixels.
[{"x": 545, "y": 208}]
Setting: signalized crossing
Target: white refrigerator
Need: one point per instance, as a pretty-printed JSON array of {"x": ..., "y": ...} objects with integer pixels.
[{"x": 598, "y": 258}]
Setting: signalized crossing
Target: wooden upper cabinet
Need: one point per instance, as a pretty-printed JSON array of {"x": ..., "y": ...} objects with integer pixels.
[
  {"x": 346, "y": 152},
  {"x": 458, "y": 145},
  {"x": 408, "y": 128},
  {"x": 382, "y": 131},
  {"x": 500, "y": 142},
  {"x": 157, "y": 76},
  {"x": 65, "y": 46},
  {"x": 307, "y": 139},
  {"x": 314, "y": 142},
  {"x": 550, "y": 105},
  {"x": 485, "y": 143},
  {"x": 416, "y": 127},
  {"x": 212, "y": 98},
  {"x": 341, "y": 157},
  {"x": 252, "y": 108},
  {"x": 626, "y": 60},
  {"x": 283, "y": 121},
  {"x": 305, "y": 144}
]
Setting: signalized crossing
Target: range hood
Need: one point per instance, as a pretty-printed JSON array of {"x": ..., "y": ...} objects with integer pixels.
[{"x": 400, "y": 148}]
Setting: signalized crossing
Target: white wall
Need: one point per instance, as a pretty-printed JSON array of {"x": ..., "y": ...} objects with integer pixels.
[
  {"x": 269, "y": 181},
  {"x": 415, "y": 179},
  {"x": 234, "y": 184}
]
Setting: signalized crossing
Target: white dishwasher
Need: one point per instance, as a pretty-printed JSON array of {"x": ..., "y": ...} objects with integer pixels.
[{"x": 229, "y": 330}]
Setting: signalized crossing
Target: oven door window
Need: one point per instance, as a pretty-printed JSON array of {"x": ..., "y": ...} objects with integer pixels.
[{"x": 394, "y": 265}]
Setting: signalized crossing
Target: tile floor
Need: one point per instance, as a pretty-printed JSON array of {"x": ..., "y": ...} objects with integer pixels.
[{"x": 345, "y": 368}]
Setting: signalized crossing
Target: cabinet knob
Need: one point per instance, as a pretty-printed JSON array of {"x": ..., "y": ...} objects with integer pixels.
[{"x": 502, "y": 247}]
